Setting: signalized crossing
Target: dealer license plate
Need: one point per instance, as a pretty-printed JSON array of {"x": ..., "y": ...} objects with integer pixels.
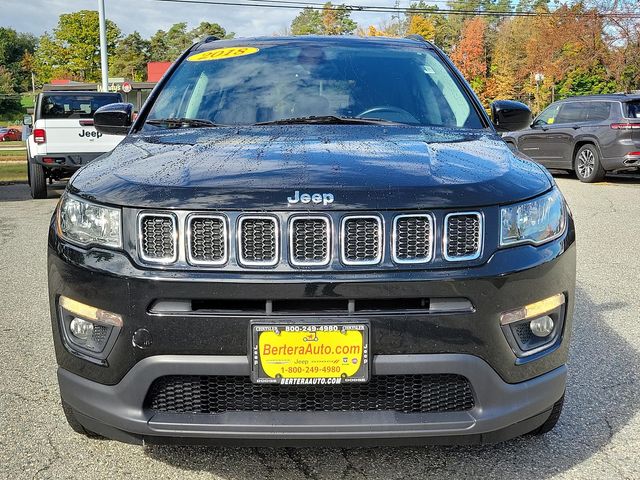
[{"x": 309, "y": 353}]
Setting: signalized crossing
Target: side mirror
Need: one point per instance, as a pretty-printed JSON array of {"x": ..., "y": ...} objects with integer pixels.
[
  {"x": 114, "y": 119},
  {"x": 27, "y": 120},
  {"x": 508, "y": 115}
]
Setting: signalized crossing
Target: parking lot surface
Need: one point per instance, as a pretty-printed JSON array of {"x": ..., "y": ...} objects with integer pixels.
[{"x": 598, "y": 435}]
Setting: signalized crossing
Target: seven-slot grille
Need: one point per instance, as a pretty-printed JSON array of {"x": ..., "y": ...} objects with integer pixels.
[
  {"x": 158, "y": 238},
  {"x": 309, "y": 240},
  {"x": 258, "y": 241},
  {"x": 463, "y": 236},
  {"x": 207, "y": 240},
  {"x": 361, "y": 240},
  {"x": 398, "y": 393},
  {"x": 412, "y": 238}
]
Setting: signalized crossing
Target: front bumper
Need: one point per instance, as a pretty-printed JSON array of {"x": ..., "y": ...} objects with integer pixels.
[
  {"x": 502, "y": 410},
  {"x": 512, "y": 395}
]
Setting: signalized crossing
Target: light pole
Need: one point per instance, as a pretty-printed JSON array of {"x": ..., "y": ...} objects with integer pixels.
[
  {"x": 539, "y": 79},
  {"x": 104, "y": 67}
]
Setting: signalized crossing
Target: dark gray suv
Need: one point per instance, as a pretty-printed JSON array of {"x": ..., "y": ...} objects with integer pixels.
[{"x": 590, "y": 135}]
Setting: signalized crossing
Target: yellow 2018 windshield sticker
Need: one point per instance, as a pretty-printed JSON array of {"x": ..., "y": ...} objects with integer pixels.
[{"x": 222, "y": 53}]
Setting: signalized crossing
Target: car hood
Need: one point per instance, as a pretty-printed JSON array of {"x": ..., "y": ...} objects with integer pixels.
[{"x": 363, "y": 167}]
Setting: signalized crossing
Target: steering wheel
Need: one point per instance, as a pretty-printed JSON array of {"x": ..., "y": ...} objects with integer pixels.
[{"x": 403, "y": 114}]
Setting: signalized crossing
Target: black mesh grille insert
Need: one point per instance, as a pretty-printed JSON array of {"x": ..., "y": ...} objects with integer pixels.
[
  {"x": 208, "y": 242},
  {"x": 258, "y": 241},
  {"x": 158, "y": 237},
  {"x": 309, "y": 241},
  {"x": 463, "y": 235},
  {"x": 362, "y": 240},
  {"x": 400, "y": 393},
  {"x": 413, "y": 238}
]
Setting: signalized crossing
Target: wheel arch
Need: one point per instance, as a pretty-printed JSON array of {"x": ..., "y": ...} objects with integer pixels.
[{"x": 581, "y": 142}]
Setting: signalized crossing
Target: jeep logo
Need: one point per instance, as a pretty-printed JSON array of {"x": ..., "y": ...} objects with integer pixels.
[
  {"x": 317, "y": 198},
  {"x": 88, "y": 133}
]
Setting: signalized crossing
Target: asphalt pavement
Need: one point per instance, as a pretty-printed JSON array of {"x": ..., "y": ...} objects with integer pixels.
[{"x": 598, "y": 435}]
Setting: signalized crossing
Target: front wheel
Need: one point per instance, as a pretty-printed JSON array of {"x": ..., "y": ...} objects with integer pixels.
[
  {"x": 587, "y": 164},
  {"x": 550, "y": 422},
  {"x": 38, "y": 181}
]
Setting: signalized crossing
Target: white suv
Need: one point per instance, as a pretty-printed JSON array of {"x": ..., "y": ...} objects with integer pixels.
[{"x": 63, "y": 137}]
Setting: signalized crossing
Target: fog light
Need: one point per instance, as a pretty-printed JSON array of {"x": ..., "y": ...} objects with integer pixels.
[
  {"x": 81, "y": 329},
  {"x": 542, "y": 327},
  {"x": 532, "y": 310}
]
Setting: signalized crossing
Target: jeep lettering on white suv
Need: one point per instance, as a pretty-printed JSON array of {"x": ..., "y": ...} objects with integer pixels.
[{"x": 63, "y": 137}]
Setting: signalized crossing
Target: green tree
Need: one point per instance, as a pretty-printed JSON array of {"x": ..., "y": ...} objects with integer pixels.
[
  {"x": 73, "y": 49},
  {"x": 307, "y": 22},
  {"x": 9, "y": 100},
  {"x": 206, "y": 28},
  {"x": 13, "y": 47},
  {"x": 167, "y": 46},
  {"x": 130, "y": 57}
]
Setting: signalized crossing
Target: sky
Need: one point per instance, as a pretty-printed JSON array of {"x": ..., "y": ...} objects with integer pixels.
[{"x": 147, "y": 16}]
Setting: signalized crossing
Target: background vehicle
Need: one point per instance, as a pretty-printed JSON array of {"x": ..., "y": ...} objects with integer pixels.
[
  {"x": 63, "y": 137},
  {"x": 9, "y": 134},
  {"x": 589, "y": 135}
]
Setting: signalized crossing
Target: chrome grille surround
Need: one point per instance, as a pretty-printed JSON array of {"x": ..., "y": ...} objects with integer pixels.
[
  {"x": 457, "y": 249},
  {"x": 242, "y": 241},
  {"x": 376, "y": 238},
  {"x": 168, "y": 239},
  {"x": 299, "y": 247},
  {"x": 407, "y": 241},
  {"x": 204, "y": 242}
]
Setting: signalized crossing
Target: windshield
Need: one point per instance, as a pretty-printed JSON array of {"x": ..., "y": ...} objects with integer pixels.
[
  {"x": 59, "y": 106},
  {"x": 267, "y": 83}
]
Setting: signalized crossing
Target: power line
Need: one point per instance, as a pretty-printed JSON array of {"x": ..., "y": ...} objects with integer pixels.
[{"x": 289, "y": 4}]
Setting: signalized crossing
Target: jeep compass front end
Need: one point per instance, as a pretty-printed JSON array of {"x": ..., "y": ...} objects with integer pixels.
[{"x": 308, "y": 240}]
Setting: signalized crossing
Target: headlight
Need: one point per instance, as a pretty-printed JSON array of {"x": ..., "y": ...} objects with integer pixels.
[
  {"x": 86, "y": 223},
  {"x": 536, "y": 221}
]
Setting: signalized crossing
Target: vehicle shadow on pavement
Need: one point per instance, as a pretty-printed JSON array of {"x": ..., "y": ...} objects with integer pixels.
[
  {"x": 19, "y": 192},
  {"x": 613, "y": 179},
  {"x": 602, "y": 397}
]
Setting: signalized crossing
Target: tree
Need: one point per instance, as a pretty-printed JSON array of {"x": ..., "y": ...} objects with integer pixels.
[
  {"x": 130, "y": 57},
  {"x": 469, "y": 54},
  {"x": 73, "y": 49},
  {"x": 13, "y": 47},
  {"x": 9, "y": 100},
  {"x": 332, "y": 20},
  {"x": 206, "y": 28},
  {"x": 421, "y": 25},
  {"x": 336, "y": 20},
  {"x": 307, "y": 22}
]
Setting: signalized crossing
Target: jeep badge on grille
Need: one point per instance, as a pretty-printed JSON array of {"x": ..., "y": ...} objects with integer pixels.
[{"x": 317, "y": 198}]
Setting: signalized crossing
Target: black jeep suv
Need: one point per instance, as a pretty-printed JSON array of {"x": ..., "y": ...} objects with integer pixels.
[{"x": 312, "y": 240}]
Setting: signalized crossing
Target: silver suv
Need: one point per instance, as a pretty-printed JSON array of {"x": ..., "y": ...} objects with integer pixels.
[{"x": 590, "y": 135}]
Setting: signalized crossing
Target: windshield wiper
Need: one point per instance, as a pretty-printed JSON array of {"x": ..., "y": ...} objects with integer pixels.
[
  {"x": 182, "y": 122},
  {"x": 330, "y": 119}
]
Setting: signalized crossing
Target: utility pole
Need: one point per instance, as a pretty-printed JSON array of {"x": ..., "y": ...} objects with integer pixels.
[{"x": 104, "y": 67}]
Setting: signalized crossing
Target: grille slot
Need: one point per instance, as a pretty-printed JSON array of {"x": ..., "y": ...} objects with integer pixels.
[
  {"x": 207, "y": 240},
  {"x": 158, "y": 237},
  {"x": 463, "y": 236},
  {"x": 399, "y": 393},
  {"x": 412, "y": 238},
  {"x": 258, "y": 241},
  {"x": 309, "y": 241},
  {"x": 362, "y": 240}
]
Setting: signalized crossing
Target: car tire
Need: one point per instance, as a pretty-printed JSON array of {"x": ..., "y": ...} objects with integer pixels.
[
  {"x": 38, "y": 181},
  {"x": 73, "y": 422},
  {"x": 550, "y": 422},
  {"x": 587, "y": 165}
]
